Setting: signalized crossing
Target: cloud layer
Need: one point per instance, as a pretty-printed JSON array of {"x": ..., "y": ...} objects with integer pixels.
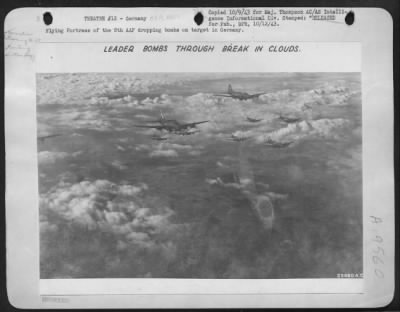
[
  {"x": 105, "y": 206},
  {"x": 48, "y": 157},
  {"x": 326, "y": 128},
  {"x": 197, "y": 214}
]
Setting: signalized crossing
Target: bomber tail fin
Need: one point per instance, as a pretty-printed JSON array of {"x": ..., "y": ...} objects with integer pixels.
[{"x": 230, "y": 89}]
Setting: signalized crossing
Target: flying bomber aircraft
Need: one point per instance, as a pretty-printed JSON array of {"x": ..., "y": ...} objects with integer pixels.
[
  {"x": 173, "y": 126},
  {"x": 239, "y": 95},
  {"x": 42, "y": 139},
  {"x": 306, "y": 106},
  {"x": 189, "y": 131},
  {"x": 249, "y": 119},
  {"x": 288, "y": 119},
  {"x": 159, "y": 138}
]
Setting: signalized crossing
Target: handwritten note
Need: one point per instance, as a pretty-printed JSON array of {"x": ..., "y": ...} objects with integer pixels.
[
  {"x": 378, "y": 251},
  {"x": 19, "y": 44}
]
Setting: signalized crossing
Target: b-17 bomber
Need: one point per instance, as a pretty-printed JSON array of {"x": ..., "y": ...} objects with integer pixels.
[
  {"x": 159, "y": 138},
  {"x": 249, "y": 119},
  {"x": 239, "y": 95},
  {"x": 289, "y": 119},
  {"x": 173, "y": 126}
]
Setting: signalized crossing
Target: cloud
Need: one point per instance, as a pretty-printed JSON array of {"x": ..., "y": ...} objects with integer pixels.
[
  {"x": 123, "y": 140},
  {"x": 121, "y": 90},
  {"x": 102, "y": 89},
  {"x": 169, "y": 149},
  {"x": 164, "y": 100},
  {"x": 349, "y": 166},
  {"x": 142, "y": 147},
  {"x": 97, "y": 93},
  {"x": 115, "y": 228},
  {"x": 74, "y": 118},
  {"x": 218, "y": 181},
  {"x": 243, "y": 134},
  {"x": 277, "y": 196},
  {"x": 123, "y": 101},
  {"x": 189, "y": 149},
  {"x": 43, "y": 129},
  {"x": 244, "y": 184},
  {"x": 206, "y": 99},
  {"x": 77, "y": 153},
  {"x": 164, "y": 153},
  {"x": 327, "y": 128},
  {"x": 178, "y": 146},
  {"x": 330, "y": 93},
  {"x": 47, "y": 228},
  {"x": 148, "y": 101},
  {"x": 108, "y": 207},
  {"x": 223, "y": 114},
  {"x": 195, "y": 153},
  {"x": 143, "y": 116},
  {"x": 120, "y": 148},
  {"x": 48, "y": 157},
  {"x": 117, "y": 164}
]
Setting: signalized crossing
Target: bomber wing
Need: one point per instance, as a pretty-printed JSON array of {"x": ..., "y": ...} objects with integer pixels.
[
  {"x": 256, "y": 95},
  {"x": 151, "y": 127},
  {"x": 193, "y": 124},
  {"x": 225, "y": 95},
  {"x": 49, "y": 136},
  {"x": 288, "y": 119},
  {"x": 159, "y": 138},
  {"x": 253, "y": 119}
]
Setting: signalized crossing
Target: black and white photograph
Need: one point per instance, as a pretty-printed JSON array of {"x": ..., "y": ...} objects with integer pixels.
[
  {"x": 200, "y": 175},
  {"x": 199, "y": 157}
]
